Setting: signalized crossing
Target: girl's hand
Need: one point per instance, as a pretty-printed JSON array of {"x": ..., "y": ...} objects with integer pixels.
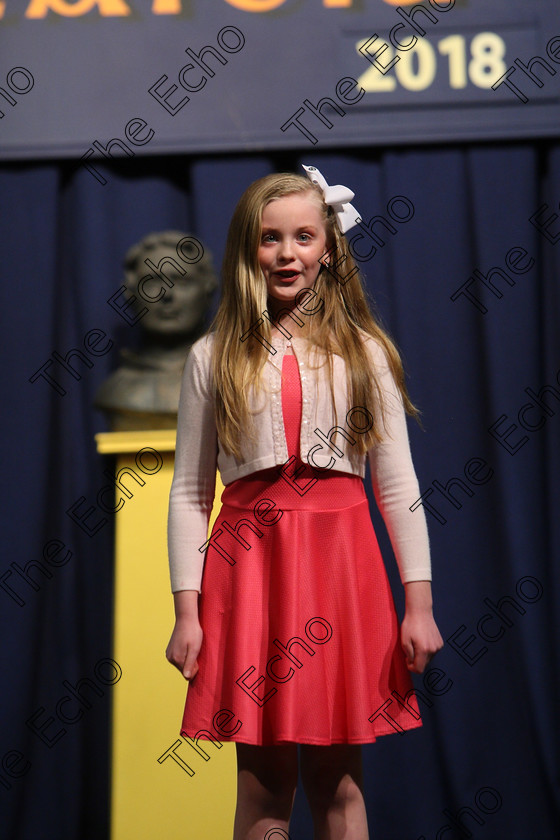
[
  {"x": 186, "y": 639},
  {"x": 420, "y": 637},
  {"x": 184, "y": 646}
]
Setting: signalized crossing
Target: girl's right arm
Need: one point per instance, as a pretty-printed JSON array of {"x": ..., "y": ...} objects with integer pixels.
[{"x": 190, "y": 504}]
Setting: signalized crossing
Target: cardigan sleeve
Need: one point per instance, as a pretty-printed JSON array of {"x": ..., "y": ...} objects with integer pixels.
[
  {"x": 192, "y": 490},
  {"x": 394, "y": 480}
]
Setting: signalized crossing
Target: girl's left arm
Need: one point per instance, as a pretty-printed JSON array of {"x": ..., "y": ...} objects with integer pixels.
[{"x": 396, "y": 489}]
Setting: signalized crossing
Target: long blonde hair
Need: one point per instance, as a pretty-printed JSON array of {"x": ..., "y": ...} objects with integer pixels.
[{"x": 338, "y": 327}]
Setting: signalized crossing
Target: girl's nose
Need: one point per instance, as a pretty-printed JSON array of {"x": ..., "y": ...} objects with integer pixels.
[{"x": 286, "y": 249}]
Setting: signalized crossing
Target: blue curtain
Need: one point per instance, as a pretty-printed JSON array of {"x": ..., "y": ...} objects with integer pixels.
[{"x": 464, "y": 275}]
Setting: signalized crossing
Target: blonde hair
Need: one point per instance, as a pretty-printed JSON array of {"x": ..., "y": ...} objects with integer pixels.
[{"x": 338, "y": 327}]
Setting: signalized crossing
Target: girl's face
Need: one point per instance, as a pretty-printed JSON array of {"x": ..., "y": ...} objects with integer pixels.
[{"x": 292, "y": 241}]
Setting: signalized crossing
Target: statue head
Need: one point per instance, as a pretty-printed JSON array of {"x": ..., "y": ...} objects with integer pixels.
[{"x": 172, "y": 277}]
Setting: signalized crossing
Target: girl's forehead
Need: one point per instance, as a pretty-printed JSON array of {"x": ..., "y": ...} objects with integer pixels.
[{"x": 299, "y": 204}]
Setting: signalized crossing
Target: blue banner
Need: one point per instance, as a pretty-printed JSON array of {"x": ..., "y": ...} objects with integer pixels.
[{"x": 93, "y": 79}]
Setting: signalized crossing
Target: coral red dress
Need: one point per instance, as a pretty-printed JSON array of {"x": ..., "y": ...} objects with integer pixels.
[{"x": 301, "y": 638}]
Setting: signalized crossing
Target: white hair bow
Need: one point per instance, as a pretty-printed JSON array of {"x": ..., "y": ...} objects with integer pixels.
[{"x": 338, "y": 197}]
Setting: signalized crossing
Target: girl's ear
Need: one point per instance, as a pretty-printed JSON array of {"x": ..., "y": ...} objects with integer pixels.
[{"x": 326, "y": 258}]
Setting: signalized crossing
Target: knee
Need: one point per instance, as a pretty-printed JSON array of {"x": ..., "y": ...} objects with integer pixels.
[
  {"x": 268, "y": 777},
  {"x": 269, "y": 791},
  {"x": 335, "y": 792},
  {"x": 333, "y": 780}
]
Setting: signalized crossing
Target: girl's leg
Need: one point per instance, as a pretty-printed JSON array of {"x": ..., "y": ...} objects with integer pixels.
[
  {"x": 333, "y": 783},
  {"x": 266, "y": 786}
]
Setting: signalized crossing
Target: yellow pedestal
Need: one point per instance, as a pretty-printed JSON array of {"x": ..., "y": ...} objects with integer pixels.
[{"x": 152, "y": 799}]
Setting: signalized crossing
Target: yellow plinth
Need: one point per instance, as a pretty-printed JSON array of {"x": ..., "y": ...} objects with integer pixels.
[{"x": 186, "y": 797}]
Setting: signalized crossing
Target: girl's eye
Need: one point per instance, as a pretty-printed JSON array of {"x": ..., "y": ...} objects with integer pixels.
[
  {"x": 268, "y": 237},
  {"x": 305, "y": 237}
]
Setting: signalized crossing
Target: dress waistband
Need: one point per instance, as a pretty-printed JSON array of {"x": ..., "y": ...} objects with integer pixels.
[{"x": 296, "y": 486}]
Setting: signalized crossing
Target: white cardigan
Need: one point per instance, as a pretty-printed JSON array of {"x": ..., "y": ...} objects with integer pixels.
[{"x": 198, "y": 453}]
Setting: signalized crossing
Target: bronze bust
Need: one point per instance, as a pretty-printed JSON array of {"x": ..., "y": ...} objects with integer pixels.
[{"x": 172, "y": 278}]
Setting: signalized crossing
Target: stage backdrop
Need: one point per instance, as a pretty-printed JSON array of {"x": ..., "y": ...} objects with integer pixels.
[
  {"x": 98, "y": 78},
  {"x": 468, "y": 285}
]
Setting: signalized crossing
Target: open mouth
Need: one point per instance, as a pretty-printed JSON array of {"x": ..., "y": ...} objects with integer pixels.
[{"x": 287, "y": 275}]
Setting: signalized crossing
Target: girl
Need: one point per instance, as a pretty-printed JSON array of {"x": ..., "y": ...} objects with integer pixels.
[{"x": 285, "y": 623}]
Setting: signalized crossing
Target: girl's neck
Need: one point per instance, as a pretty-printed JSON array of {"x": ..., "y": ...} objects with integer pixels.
[{"x": 292, "y": 325}]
